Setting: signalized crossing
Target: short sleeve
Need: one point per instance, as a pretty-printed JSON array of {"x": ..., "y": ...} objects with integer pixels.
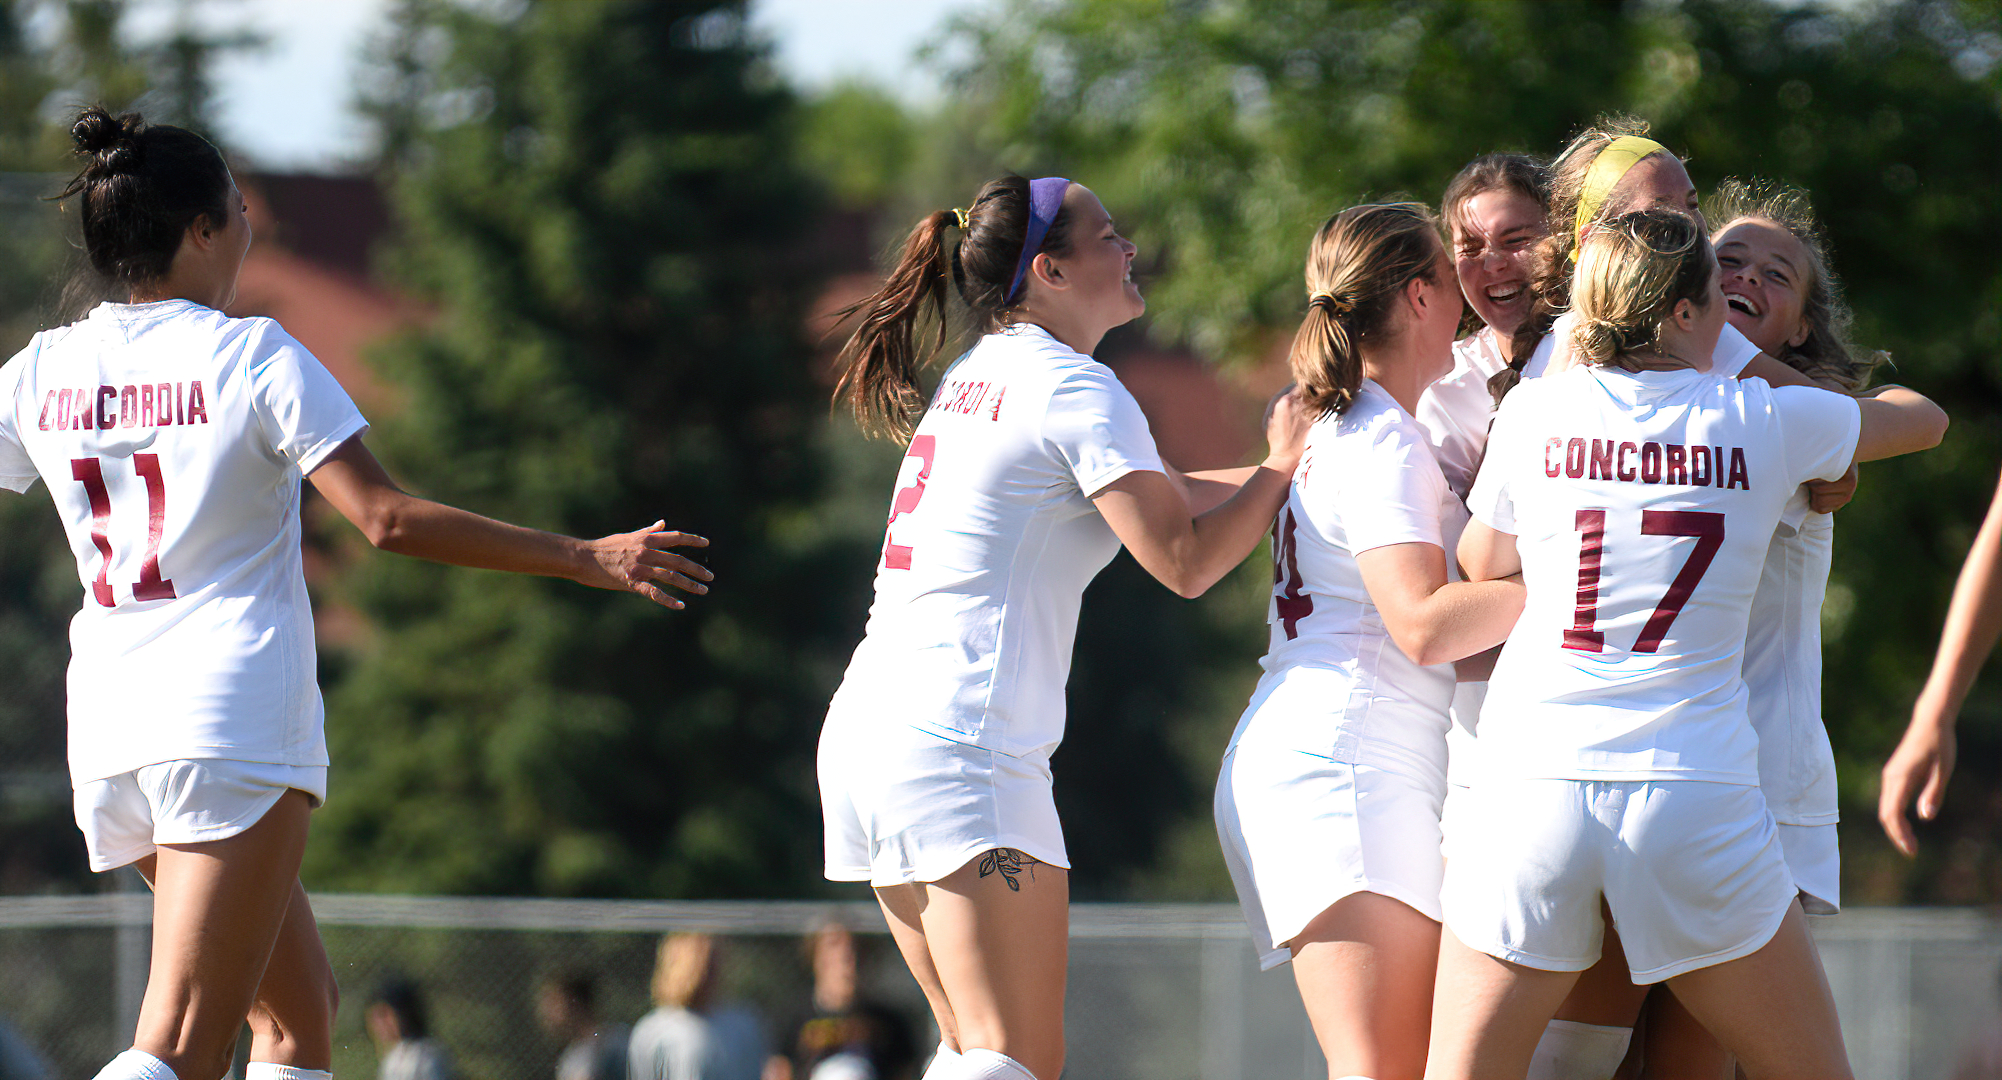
[
  {"x": 1096, "y": 428},
  {"x": 1393, "y": 496},
  {"x": 1819, "y": 428},
  {"x": 303, "y": 409},
  {"x": 1734, "y": 351},
  {"x": 17, "y": 469},
  {"x": 1492, "y": 502}
]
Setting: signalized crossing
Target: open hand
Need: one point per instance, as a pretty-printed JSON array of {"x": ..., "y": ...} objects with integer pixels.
[
  {"x": 1921, "y": 765},
  {"x": 644, "y": 562}
]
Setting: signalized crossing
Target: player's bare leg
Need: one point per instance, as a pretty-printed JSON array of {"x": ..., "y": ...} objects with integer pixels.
[
  {"x": 995, "y": 936},
  {"x": 1594, "y": 1030},
  {"x": 1772, "y": 1009},
  {"x": 217, "y": 909},
  {"x": 1679, "y": 1048},
  {"x": 1605, "y": 994},
  {"x": 903, "y": 908},
  {"x": 292, "y": 1021},
  {"x": 1487, "y": 1014},
  {"x": 1365, "y": 970}
]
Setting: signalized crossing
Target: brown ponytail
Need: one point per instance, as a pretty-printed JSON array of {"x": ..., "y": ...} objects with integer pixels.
[
  {"x": 1358, "y": 265},
  {"x": 881, "y": 364}
]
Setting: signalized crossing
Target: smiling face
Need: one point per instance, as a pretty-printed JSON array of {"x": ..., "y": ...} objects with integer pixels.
[
  {"x": 1766, "y": 273},
  {"x": 1098, "y": 268},
  {"x": 1658, "y": 180},
  {"x": 1493, "y": 233}
]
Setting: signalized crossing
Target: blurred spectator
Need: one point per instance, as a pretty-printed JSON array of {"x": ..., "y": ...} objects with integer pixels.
[
  {"x": 688, "y": 1037},
  {"x": 593, "y": 1049},
  {"x": 18, "y": 1060},
  {"x": 847, "y": 1037},
  {"x": 398, "y": 1026}
]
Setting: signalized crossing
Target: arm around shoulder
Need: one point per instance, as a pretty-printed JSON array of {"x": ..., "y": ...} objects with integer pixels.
[{"x": 1897, "y": 421}]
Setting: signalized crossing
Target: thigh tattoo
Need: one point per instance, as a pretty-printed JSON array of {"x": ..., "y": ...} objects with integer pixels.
[{"x": 1010, "y": 864}]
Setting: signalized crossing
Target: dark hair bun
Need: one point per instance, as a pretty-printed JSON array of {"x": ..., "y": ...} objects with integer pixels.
[{"x": 107, "y": 138}]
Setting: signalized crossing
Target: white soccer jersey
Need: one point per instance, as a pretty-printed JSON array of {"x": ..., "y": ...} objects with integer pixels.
[
  {"x": 172, "y": 439},
  {"x": 1367, "y": 480},
  {"x": 1734, "y": 351},
  {"x": 991, "y": 541},
  {"x": 1783, "y": 669},
  {"x": 1455, "y": 411},
  {"x": 1642, "y": 505}
]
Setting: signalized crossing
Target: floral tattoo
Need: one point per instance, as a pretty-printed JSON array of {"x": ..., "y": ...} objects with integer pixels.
[{"x": 1009, "y": 863}]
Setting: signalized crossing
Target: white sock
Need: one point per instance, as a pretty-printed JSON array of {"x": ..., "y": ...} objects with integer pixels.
[
  {"x": 136, "y": 1064},
  {"x": 266, "y": 1070},
  {"x": 944, "y": 1064},
  {"x": 990, "y": 1065},
  {"x": 1573, "y": 1051}
]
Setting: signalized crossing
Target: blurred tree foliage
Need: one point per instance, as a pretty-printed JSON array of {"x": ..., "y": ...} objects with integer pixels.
[
  {"x": 1222, "y": 133},
  {"x": 601, "y": 201}
]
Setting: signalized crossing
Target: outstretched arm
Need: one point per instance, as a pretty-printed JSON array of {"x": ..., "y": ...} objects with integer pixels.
[
  {"x": 1925, "y": 755},
  {"x": 1189, "y": 551},
  {"x": 395, "y": 520}
]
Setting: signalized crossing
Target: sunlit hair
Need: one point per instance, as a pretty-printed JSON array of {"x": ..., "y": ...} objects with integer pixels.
[
  {"x": 681, "y": 971},
  {"x": 881, "y": 364},
  {"x": 1357, "y": 267},
  {"x": 1632, "y": 272},
  {"x": 1827, "y": 354},
  {"x": 1550, "y": 263}
]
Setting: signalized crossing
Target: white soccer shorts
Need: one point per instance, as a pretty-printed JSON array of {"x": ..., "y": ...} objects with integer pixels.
[
  {"x": 1691, "y": 870},
  {"x": 902, "y": 805},
  {"x": 124, "y": 818},
  {"x": 1301, "y": 831},
  {"x": 1811, "y": 853}
]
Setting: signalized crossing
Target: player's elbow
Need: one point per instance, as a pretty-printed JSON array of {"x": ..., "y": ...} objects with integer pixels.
[{"x": 387, "y": 529}]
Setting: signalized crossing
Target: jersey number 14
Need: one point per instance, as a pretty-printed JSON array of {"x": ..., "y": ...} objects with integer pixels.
[
  {"x": 90, "y": 473},
  {"x": 1708, "y": 529}
]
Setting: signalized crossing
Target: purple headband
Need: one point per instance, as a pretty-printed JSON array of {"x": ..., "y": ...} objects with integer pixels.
[{"x": 1046, "y": 197}]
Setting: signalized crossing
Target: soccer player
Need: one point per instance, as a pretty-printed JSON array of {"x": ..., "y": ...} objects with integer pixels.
[
  {"x": 1027, "y": 471},
  {"x": 173, "y": 439},
  {"x": 1329, "y": 797},
  {"x": 1636, "y": 494}
]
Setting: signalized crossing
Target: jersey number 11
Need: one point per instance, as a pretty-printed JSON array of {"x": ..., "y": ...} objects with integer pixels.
[{"x": 90, "y": 473}]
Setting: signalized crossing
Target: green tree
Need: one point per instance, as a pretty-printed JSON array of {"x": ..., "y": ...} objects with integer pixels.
[
  {"x": 600, "y": 202},
  {"x": 1221, "y": 134}
]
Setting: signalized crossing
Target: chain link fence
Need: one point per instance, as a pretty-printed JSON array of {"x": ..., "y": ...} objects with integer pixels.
[{"x": 1157, "y": 991}]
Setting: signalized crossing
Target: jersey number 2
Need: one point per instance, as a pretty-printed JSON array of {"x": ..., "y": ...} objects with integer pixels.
[
  {"x": 1708, "y": 529},
  {"x": 90, "y": 473},
  {"x": 897, "y": 556}
]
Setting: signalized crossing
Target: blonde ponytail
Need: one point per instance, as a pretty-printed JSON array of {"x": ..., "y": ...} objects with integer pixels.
[{"x": 1357, "y": 266}]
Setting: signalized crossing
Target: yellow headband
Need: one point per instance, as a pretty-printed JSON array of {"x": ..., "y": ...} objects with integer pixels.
[{"x": 1612, "y": 163}]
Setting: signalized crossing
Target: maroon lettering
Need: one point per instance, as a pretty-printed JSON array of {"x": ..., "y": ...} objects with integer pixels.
[
  {"x": 180, "y": 403},
  {"x": 48, "y": 403},
  {"x": 1740, "y": 476},
  {"x": 1678, "y": 463},
  {"x": 128, "y": 406},
  {"x": 1699, "y": 466},
  {"x": 995, "y": 415},
  {"x": 165, "y": 394},
  {"x": 105, "y": 395},
  {"x": 1651, "y": 463},
  {"x": 197, "y": 405},
  {"x": 146, "y": 405},
  {"x": 1550, "y": 466},
  {"x": 1625, "y": 471},
  {"x": 63, "y": 411},
  {"x": 1574, "y": 458},
  {"x": 1602, "y": 459}
]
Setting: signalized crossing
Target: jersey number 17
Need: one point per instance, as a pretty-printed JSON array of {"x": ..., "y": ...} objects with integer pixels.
[{"x": 1708, "y": 529}]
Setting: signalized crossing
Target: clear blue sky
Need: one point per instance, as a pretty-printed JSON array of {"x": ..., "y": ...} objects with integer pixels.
[{"x": 287, "y": 105}]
